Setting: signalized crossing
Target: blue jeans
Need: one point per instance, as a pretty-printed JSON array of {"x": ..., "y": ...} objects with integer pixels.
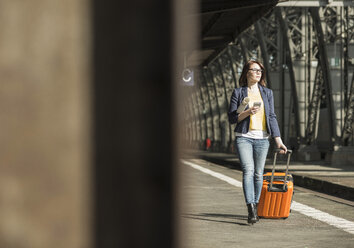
[{"x": 252, "y": 154}]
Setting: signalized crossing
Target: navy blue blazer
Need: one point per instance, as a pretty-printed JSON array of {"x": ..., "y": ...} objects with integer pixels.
[{"x": 242, "y": 127}]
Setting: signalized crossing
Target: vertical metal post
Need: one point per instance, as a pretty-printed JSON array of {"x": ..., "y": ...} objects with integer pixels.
[
  {"x": 309, "y": 55},
  {"x": 305, "y": 46},
  {"x": 203, "y": 105},
  {"x": 193, "y": 116},
  {"x": 346, "y": 56},
  {"x": 216, "y": 99},
  {"x": 226, "y": 101},
  {"x": 342, "y": 47},
  {"x": 243, "y": 49},
  {"x": 284, "y": 29},
  {"x": 323, "y": 59},
  {"x": 347, "y": 131},
  {"x": 232, "y": 66},
  {"x": 281, "y": 85},
  {"x": 224, "y": 84},
  {"x": 196, "y": 103},
  {"x": 210, "y": 104},
  {"x": 187, "y": 119}
]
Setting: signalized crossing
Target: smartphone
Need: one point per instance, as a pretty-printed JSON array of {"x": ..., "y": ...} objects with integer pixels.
[{"x": 257, "y": 104}]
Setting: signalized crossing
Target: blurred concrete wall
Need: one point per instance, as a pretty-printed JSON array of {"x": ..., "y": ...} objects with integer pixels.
[{"x": 44, "y": 124}]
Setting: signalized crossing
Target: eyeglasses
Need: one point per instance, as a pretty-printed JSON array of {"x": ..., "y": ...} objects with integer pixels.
[{"x": 256, "y": 70}]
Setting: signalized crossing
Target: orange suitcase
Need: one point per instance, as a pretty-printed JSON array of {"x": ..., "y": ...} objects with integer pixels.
[{"x": 277, "y": 192}]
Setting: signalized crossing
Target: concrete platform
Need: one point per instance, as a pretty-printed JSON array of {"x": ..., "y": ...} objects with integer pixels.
[
  {"x": 213, "y": 214},
  {"x": 321, "y": 176}
]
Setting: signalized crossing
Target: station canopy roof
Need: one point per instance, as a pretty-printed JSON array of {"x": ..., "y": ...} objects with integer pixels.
[{"x": 222, "y": 21}]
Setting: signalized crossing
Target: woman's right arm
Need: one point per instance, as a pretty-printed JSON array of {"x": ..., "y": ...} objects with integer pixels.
[
  {"x": 247, "y": 113},
  {"x": 232, "y": 114},
  {"x": 235, "y": 117}
]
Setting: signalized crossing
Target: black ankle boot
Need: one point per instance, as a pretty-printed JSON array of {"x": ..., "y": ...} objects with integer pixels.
[
  {"x": 256, "y": 211},
  {"x": 251, "y": 213}
]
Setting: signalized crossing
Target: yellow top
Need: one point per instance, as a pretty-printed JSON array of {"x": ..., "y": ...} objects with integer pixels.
[{"x": 258, "y": 120}]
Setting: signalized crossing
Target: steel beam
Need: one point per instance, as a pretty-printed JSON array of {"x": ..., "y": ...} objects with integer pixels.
[
  {"x": 323, "y": 60},
  {"x": 226, "y": 103},
  {"x": 313, "y": 107},
  {"x": 346, "y": 56},
  {"x": 250, "y": 44},
  {"x": 216, "y": 145},
  {"x": 213, "y": 56},
  {"x": 230, "y": 5},
  {"x": 193, "y": 118},
  {"x": 210, "y": 103},
  {"x": 213, "y": 100},
  {"x": 243, "y": 49},
  {"x": 348, "y": 121},
  {"x": 284, "y": 29},
  {"x": 319, "y": 3},
  {"x": 232, "y": 65},
  {"x": 189, "y": 120},
  {"x": 197, "y": 113},
  {"x": 216, "y": 43},
  {"x": 261, "y": 42},
  {"x": 237, "y": 58},
  {"x": 211, "y": 23},
  {"x": 200, "y": 87}
]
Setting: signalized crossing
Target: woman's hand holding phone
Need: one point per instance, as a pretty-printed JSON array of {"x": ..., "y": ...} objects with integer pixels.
[{"x": 255, "y": 108}]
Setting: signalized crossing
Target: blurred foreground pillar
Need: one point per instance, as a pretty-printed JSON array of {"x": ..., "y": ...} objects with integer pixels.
[
  {"x": 45, "y": 124},
  {"x": 133, "y": 123},
  {"x": 88, "y": 119}
]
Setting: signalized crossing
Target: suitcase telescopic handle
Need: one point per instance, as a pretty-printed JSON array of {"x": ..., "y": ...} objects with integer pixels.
[
  {"x": 289, "y": 152},
  {"x": 279, "y": 150}
]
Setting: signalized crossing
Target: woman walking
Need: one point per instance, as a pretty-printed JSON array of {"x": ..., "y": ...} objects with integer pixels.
[{"x": 255, "y": 124}]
